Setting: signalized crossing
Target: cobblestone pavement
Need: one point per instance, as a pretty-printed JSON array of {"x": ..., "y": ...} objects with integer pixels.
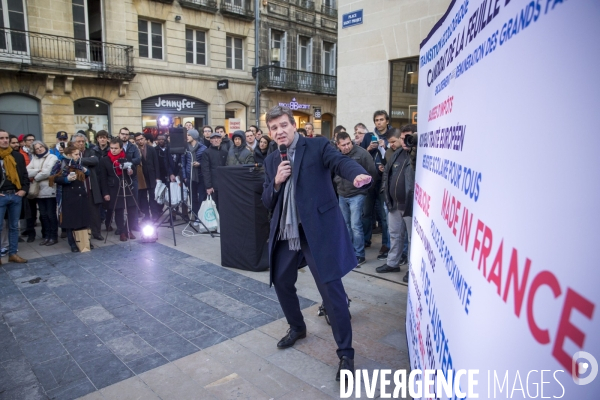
[{"x": 154, "y": 321}]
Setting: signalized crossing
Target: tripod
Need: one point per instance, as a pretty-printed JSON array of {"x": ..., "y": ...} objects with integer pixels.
[
  {"x": 167, "y": 221},
  {"x": 122, "y": 189}
]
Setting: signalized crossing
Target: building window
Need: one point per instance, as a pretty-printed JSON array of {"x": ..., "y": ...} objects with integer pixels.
[
  {"x": 12, "y": 16},
  {"x": 329, "y": 3},
  {"x": 278, "y": 48},
  {"x": 328, "y": 58},
  {"x": 404, "y": 87},
  {"x": 195, "y": 47},
  {"x": 235, "y": 55},
  {"x": 304, "y": 53},
  {"x": 150, "y": 39}
]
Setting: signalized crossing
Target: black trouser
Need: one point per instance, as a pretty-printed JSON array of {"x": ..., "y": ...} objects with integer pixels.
[
  {"x": 197, "y": 192},
  {"x": 94, "y": 209},
  {"x": 148, "y": 205},
  {"x": 285, "y": 273},
  {"x": 30, "y": 222},
  {"x": 131, "y": 218},
  {"x": 48, "y": 217}
]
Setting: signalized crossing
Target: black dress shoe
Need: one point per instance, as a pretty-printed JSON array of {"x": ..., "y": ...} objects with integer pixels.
[
  {"x": 51, "y": 242},
  {"x": 405, "y": 278},
  {"x": 30, "y": 239},
  {"x": 289, "y": 339},
  {"x": 74, "y": 249},
  {"x": 98, "y": 237},
  {"x": 346, "y": 363},
  {"x": 386, "y": 268},
  {"x": 43, "y": 242}
]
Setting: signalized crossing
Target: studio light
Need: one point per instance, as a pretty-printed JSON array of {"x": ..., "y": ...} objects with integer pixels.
[
  {"x": 149, "y": 234},
  {"x": 164, "y": 121}
]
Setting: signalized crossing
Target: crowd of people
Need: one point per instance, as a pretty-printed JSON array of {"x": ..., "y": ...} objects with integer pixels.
[{"x": 77, "y": 184}]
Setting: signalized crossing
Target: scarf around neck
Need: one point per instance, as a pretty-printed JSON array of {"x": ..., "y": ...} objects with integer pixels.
[
  {"x": 288, "y": 223},
  {"x": 10, "y": 166},
  {"x": 115, "y": 161}
]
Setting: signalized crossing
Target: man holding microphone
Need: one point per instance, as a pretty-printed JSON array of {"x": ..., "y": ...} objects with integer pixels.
[{"x": 308, "y": 228}]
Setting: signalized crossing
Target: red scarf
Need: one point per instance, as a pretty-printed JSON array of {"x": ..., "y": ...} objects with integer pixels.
[{"x": 115, "y": 161}]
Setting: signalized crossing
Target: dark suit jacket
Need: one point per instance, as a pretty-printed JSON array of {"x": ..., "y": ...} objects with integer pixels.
[
  {"x": 322, "y": 221},
  {"x": 150, "y": 167}
]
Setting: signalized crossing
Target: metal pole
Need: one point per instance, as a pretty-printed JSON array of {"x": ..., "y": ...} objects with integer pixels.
[{"x": 256, "y": 60}]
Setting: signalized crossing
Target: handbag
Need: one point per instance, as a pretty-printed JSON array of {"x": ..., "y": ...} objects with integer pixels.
[
  {"x": 82, "y": 239},
  {"x": 209, "y": 216},
  {"x": 34, "y": 187}
]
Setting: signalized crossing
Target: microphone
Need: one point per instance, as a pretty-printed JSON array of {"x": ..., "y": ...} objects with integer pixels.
[{"x": 283, "y": 152}]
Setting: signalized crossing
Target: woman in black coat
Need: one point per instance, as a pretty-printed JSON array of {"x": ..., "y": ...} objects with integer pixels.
[
  {"x": 262, "y": 149},
  {"x": 72, "y": 194},
  {"x": 113, "y": 173}
]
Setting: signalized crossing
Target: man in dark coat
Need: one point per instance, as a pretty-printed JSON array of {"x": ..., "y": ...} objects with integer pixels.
[
  {"x": 215, "y": 156},
  {"x": 132, "y": 154},
  {"x": 90, "y": 160},
  {"x": 150, "y": 173},
  {"x": 307, "y": 226},
  {"x": 192, "y": 169},
  {"x": 14, "y": 185}
]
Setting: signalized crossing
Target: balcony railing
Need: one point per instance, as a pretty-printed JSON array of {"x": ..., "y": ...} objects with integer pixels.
[
  {"x": 308, "y": 4},
  {"x": 330, "y": 11},
  {"x": 241, "y": 9},
  {"x": 273, "y": 77},
  {"x": 202, "y": 5},
  {"x": 306, "y": 17},
  {"x": 35, "y": 50}
]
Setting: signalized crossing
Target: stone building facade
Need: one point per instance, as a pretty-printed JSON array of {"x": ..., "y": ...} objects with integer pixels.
[
  {"x": 378, "y": 58},
  {"x": 66, "y": 63},
  {"x": 298, "y": 60}
]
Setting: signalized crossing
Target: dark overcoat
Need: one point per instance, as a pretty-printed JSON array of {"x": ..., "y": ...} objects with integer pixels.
[
  {"x": 110, "y": 183},
  {"x": 74, "y": 209},
  {"x": 322, "y": 221}
]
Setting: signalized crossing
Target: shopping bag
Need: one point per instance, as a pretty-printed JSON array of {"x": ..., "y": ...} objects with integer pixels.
[
  {"x": 159, "y": 192},
  {"x": 209, "y": 216},
  {"x": 82, "y": 239},
  {"x": 175, "y": 193}
]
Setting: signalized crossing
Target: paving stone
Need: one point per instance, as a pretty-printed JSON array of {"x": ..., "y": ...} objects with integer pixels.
[
  {"x": 233, "y": 386},
  {"x": 112, "y": 300},
  {"x": 208, "y": 339},
  {"x": 49, "y": 300},
  {"x": 30, "y": 331},
  {"x": 147, "y": 363},
  {"x": 227, "y": 305},
  {"x": 56, "y": 281},
  {"x": 93, "y": 315},
  {"x": 72, "y": 390},
  {"x": 58, "y": 372},
  {"x": 32, "y": 391},
  {"x": 130, "y": 389},
  {"x": 106, "y": 370},
  {"x": 228, "y": 326},
  {"x": 172, "y": 346},
  {"x": 188, "y": 327},
  {"x": 21, "y": 316},
  {"x": 36, "y": 291},
  {"x": 57, "y": 315},
  {"x": 111, "y": 329},
  {"x": 258, "y": 320},
  {"x": 165, "y": 313},
  {"x": 13, "y": 302},
  {"x": 95, "y": 288},
  {"x": 86, "y": 348},
  {"x": 43, "y": 349},
  {"x": 270, "y": 307},
  {"x": 129, "y": 347},
  {"x": 192, "y": 288},
  {"x": 72, "y": 329},
  {"x": 246, "y": 296},
  {"x": 14, "y": 373}
]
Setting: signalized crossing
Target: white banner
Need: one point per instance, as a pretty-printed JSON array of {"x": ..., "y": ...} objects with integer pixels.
[{"x": 504, "y": 277}]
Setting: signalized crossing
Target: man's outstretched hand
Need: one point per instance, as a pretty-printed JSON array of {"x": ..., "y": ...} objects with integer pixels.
[{"x": 362, "y": 180}]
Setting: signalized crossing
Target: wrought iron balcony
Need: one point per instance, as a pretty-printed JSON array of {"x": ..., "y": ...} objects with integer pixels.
[
  {"x": 33, "y": 50},
  {"x": 203, "y": 5},
  {"x": 330, "y": 11},
  {"x": 240, "y": 9},
  {"x": 273, "y": 77},
  {"x": 307, "y": 4}
]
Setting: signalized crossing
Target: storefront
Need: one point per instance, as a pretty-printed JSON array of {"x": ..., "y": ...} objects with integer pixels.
[
  {"x": 20, "y": 114},
  {"x": 235, "y": 117},
  {"x": 91, "y": 116},
  {"x": 159, "y": 113},
  {"x": 318, "y": 110},
  {"x": 404, "y": 86}
]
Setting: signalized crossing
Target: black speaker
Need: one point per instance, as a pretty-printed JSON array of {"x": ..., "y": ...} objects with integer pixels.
[{"x": 178, "y": 141}]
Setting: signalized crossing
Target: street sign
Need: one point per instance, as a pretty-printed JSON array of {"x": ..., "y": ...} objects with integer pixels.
[
  {"x": 352, "y": 18},
  {"x": 223, "y": 84}
]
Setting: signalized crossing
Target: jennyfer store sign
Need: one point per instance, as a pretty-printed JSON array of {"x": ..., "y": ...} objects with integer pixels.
[{"x": 173, "y": 104}]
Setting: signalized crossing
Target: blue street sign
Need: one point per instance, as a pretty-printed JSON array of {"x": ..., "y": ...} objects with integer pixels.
[{"x": 352, "y": 18}]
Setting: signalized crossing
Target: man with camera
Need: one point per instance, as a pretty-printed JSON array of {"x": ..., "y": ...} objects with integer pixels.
[{"x": 398, "y": 189}]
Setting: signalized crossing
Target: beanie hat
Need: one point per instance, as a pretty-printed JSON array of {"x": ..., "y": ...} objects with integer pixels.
[{"x": 194, "y": 134}]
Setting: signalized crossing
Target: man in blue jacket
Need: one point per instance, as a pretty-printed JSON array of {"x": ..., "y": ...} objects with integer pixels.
[{"x": 308, "y": 227}]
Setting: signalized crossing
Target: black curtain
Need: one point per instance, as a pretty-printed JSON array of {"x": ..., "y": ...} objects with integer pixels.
[{"x": 243, "y": 217}]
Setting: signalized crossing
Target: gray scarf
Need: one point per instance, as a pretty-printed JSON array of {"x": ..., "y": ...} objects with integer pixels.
[{"x": 288, "y": 224}]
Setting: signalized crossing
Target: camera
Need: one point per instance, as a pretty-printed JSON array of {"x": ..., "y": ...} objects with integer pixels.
[
  {"x": 124, "y": 163},
  {"x": 62, "y": 144},
  {"x": 411, "y": 140}
]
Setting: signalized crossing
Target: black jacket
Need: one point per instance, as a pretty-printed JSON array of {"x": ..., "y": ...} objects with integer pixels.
[
  {"x": 212, "y": 158},
  {"x": 398, "y": 183},
  {"x": 90, "y": 160},
  {"x": 226, "y": 143},
  {"x": 99, "y": 152},
  {"x": 166, "y": 165},
  {"x": 132, "y": 153},
  {"x": 150, "y": 167},
  {"x": 110, "y": 183},
  {"x": 346, "y": 188}
]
